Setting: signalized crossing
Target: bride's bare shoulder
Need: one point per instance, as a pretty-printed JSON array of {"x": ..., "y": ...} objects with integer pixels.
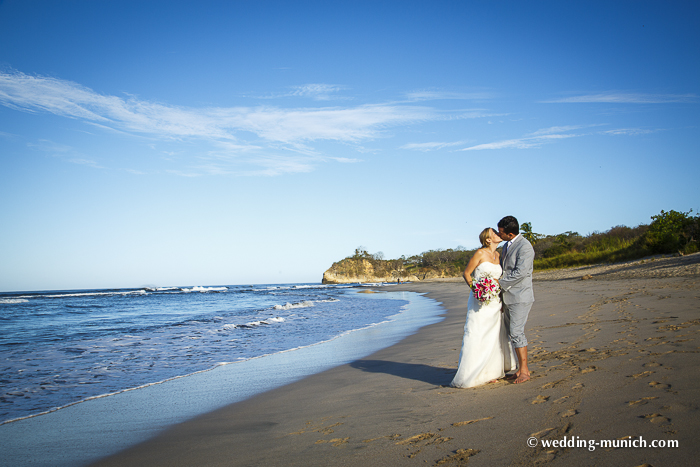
[{"x": 480, "y": 253}]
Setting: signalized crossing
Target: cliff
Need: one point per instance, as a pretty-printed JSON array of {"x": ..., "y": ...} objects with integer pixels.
[{"x": 354, "y": 270}]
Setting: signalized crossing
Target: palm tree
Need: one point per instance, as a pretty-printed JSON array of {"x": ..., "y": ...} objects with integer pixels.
[{"x": 530, "y": 236}]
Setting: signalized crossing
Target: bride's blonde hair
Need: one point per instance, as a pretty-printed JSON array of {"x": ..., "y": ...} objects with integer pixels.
[{"x": 484, "y": 235}]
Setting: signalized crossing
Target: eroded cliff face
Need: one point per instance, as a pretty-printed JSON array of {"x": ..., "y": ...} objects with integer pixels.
[
  {"x": 354, "y": 270},
  {"x": 351, "y": 270}
]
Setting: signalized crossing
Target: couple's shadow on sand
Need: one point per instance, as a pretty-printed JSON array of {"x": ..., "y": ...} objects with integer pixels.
[{"x": 419, "y": 372}]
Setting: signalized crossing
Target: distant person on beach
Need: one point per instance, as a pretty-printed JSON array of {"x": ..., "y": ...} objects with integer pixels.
[
  {"x": 486, "y": 350},
  {"x": 516, "y": 286}
]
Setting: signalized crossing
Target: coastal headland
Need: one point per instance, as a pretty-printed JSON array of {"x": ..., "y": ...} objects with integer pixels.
[{"x": 613, "y": 352}]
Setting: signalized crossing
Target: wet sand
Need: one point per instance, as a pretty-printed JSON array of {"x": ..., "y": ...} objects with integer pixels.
[{"x": 611, "y": 357}]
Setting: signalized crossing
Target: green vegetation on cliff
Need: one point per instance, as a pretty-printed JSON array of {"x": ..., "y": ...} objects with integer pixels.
[{"x": 670, "y": 232}]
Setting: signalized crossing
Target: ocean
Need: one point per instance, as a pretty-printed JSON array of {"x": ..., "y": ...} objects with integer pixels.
[
  {"x": 87, "y": 373},
  {"x": 59, "y": 348}
]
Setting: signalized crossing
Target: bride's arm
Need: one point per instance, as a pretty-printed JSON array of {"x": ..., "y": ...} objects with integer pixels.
[{"x": 473, "y": 263}]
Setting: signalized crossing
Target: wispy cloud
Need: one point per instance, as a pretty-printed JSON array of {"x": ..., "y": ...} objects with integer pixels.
[
  {"x": 559, "y": 129},
  {"x": 267, "y": 165},
  {"x": 431, "y": 146},
  {"x": 534, "y": 140},
  {"x": 315, "y": 91},
  {"x": 320, "y": 92},
  {"x": 430, "y": 95},
  {"x": 315, "y": 124},
  {"x": 551, "y": 134},
  {"x": 88, "y": 162},
  {"x": 260, "y": 132},
  {"x": 51, "y": 147},
  {"x": 628, "y": 98},
  {"x": 628, "y": 131},
  {"x": 41, "y": 94},
  {"x": 135, "y": 172},
  {"x": 184, "y": 173},
  {"x": 63, "y": 152},
  {"x": 346, "y": 160}
]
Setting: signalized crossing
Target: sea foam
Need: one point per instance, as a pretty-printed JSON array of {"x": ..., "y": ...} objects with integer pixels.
[
  {"x": 289, "y": 306},
  {"x": 10, "y": 301},
  {"x": 199, "y": 288}
]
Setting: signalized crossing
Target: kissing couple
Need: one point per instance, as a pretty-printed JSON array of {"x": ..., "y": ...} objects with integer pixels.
[{"x": 499, "y": 302}]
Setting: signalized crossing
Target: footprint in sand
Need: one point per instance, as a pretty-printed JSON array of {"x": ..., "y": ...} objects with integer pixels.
[
  {"x": 391, "y": 437},
  {"x": 421, "y": 440},
  {"x": 589, "y": 369},
  {"x": 546, "y": 457},
  {"x": 335, "y": 441},
  {"x": 542, "y": 433},
  {"x": 471, "y": 421},
  {"x": 561, "y": 400},
  {"x": 656, "y": 418},
  {"x": 417, "y": 438},
  {"x": 540, "y": 400},
  {"x": 569, "y": 413},
  {"x": 643, "y": 400},
  {"x": 577, "y": 386},
  {"x": 657, "y": 385},
  {"x": 328, "y": 429},
  {"x": 460, "y": 457},
  {"x": 315, "y": 428},
  {"x": 670, "y": 327},
  {"x": 641, "y": 375},
  {"x": 552, "y": 384}
]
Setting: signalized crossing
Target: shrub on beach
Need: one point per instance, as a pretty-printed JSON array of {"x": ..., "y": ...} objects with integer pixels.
[
  {"x": 672, "y": 232},
  {"x": 669, "y": 233}
]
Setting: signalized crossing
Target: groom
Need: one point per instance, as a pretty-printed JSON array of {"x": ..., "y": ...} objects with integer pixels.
[{"x": 516, "y": 284}]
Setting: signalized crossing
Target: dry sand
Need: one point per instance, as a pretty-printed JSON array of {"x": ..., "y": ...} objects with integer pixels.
[{"x": 611, "y": 357}]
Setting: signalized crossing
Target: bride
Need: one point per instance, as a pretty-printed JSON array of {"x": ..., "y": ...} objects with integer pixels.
[{"x": 486, "y": 349}]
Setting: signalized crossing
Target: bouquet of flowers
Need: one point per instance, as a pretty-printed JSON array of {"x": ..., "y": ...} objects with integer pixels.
[{"x": 486, "y": 288}]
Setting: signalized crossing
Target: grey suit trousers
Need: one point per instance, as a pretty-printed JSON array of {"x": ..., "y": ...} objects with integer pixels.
[{"x": 515, "y": 316}]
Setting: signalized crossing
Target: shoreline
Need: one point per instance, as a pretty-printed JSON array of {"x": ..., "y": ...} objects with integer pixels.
[
  {"x": 194, "y": 373},
  {"x": 610, "y": 359}
]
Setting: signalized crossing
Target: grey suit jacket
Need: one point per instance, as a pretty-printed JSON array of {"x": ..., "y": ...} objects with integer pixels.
[{"x": 516, "y": 281}]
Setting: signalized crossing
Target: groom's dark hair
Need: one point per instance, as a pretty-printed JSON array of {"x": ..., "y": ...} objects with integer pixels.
[{"x": 510, "y": 225}]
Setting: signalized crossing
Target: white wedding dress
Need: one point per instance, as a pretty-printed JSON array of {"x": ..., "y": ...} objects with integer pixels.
[{"x": 486, "y": 349}]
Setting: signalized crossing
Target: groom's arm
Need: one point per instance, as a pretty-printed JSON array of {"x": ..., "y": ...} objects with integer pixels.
[{"x": 524, "y": 258}]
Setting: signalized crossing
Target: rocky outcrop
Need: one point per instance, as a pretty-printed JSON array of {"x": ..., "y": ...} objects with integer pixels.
[
  {"x": 351, "y": 270},
  {"x": 360, "y": 270}
]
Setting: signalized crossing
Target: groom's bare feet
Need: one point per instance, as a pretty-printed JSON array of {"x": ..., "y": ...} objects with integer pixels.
[{"x": 522, "y": 378}]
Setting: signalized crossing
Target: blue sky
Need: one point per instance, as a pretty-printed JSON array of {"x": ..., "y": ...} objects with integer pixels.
[{"x": 206, "y": 143}]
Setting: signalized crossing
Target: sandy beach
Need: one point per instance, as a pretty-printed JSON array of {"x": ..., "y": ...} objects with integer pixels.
[{"x": 613, "y": 354}]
